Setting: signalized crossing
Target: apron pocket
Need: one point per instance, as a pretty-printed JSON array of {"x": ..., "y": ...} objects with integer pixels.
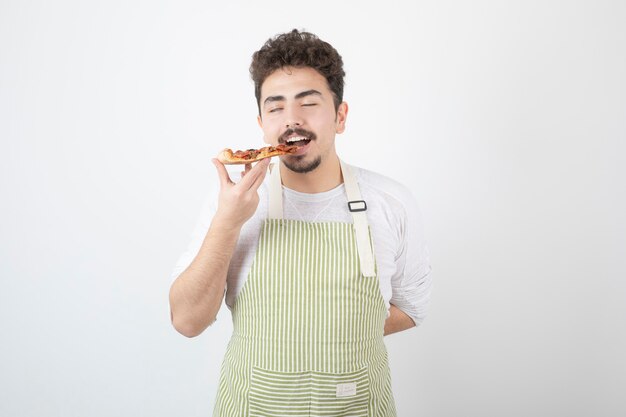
[
  {"x": 279, "y": 394},
  {"x": 340, "y": 395}
]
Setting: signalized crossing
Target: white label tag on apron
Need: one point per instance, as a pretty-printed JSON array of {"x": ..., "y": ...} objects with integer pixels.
[{"x": 346, "y": 390}]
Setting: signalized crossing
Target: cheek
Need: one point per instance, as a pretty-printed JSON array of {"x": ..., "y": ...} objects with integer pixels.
[
  {"x": 324, "y": 122},
  {"x": 271, "y": 131}
]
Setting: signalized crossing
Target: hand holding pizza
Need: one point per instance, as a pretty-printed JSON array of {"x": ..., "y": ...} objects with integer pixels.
[{"x": 238, "y": 201}]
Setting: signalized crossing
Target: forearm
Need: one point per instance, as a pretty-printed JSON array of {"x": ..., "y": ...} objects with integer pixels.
[
  {"x": 196, "y": 295},
  {"x": 397, "y": 321}
]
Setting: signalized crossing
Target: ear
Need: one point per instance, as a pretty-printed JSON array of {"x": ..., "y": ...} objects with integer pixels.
[{"x": 342, "y": 114}]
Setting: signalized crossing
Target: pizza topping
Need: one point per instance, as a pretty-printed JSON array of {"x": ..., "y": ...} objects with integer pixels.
[
  {"x": 285, "y": 148},
  {"x": 242, "y": 154}
]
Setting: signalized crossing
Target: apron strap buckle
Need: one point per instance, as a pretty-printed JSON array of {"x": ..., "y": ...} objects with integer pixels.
[{"x": 361, "y": 205}]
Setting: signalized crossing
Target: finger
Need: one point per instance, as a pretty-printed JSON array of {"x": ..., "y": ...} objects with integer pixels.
[
  {"x": 221, "y": 172},
  {"x": 253, "y": 173},
  {"x": 248, "y": 168},
  {"x": 258, "y": 170},
  {"x": 257, "y": 183}
]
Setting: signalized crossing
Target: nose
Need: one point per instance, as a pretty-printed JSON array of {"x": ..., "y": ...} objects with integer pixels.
[{"x": 293, "y": 118}]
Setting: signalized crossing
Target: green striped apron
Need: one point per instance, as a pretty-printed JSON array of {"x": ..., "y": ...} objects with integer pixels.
[{"x": 308, "y": 323}]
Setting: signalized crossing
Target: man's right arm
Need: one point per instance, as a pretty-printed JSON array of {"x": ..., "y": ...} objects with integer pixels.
[{"x": 196, "y": 295}]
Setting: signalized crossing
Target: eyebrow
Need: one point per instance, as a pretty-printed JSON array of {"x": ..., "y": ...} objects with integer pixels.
[{"x": 302, "y": 94}]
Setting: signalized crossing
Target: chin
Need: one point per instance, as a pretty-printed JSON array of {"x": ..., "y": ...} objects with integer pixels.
[{"x": 300, "y": 165}]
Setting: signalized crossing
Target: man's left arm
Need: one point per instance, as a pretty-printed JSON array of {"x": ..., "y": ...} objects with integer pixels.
[
  {"x": 397, "y": 321},
  {"x": 411, "y": 283}
]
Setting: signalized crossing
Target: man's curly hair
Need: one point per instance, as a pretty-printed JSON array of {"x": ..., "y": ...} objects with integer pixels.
[{"x": 298, "y": 49}]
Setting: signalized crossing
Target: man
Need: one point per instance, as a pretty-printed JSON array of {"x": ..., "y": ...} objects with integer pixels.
[{"x": 318, "y": 260}]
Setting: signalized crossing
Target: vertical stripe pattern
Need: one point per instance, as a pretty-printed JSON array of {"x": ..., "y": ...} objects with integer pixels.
[{"x": 307, "y": 329}]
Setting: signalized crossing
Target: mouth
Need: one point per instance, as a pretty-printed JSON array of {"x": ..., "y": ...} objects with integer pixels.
[
  {"x": 298, "y": 137},
  {"x": 297, "y": 140}
]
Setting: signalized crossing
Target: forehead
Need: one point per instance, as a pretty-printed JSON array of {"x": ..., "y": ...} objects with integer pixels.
[{"x": 289, "y": 81}]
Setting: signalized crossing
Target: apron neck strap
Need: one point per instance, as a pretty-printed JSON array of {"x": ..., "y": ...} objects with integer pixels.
[
  {"x": 356, "y": 206},
  {"x": 276, "y": 193}
]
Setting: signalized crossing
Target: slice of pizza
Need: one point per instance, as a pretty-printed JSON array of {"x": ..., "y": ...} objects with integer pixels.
[{"x": 228, "y": 157}]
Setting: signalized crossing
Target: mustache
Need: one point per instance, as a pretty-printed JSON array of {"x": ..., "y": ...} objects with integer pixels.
[{"x": 297, "y": 131}]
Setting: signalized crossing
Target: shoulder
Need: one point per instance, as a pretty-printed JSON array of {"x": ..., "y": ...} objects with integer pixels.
[{"x": 379, "y": 187}]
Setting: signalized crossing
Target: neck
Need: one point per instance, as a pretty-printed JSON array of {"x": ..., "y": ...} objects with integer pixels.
[{"x": 324, "y": 178}]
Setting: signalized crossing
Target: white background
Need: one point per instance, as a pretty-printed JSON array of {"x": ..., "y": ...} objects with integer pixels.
[{"x": 511, "y": 118}]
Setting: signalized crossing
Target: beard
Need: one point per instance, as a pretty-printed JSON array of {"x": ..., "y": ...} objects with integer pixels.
[{"x": 296, "y": 164}]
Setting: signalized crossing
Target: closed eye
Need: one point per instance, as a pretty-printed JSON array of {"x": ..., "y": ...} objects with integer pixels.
[
  {"x": 275, "y": 109},
  {"x": 309, "y": 104}
]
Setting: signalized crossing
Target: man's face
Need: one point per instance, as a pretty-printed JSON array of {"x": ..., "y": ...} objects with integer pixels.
[{"x": 296, "y": 104}]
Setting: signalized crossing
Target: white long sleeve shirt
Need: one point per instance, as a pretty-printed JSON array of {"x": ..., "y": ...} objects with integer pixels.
[{"x": 396, "y": 229}]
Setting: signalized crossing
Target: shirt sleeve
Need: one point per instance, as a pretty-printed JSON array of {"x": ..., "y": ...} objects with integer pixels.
[
  {"x": 412, "y": 282},
  {"x": 209, "y": 207}
]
